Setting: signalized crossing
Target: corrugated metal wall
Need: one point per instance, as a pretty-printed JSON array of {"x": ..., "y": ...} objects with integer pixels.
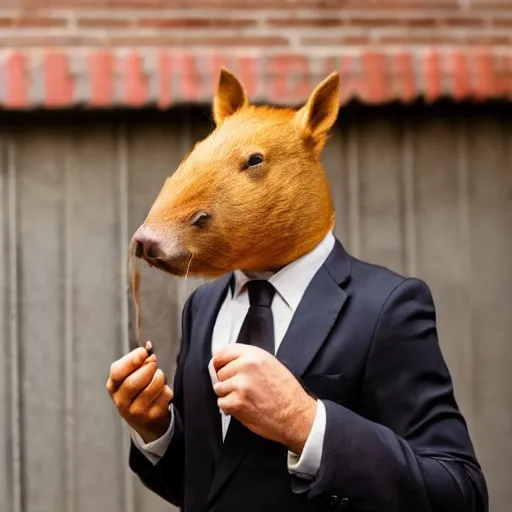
[{"x": 426, "y": 192}]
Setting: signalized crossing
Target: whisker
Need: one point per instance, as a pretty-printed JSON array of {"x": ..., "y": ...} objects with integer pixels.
[{"x": 190, "y": 261}]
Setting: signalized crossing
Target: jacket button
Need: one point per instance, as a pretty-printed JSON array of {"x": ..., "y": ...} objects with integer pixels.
[
  {"x": 334, "y": 500},
  {"x": 345, "y": 503}
]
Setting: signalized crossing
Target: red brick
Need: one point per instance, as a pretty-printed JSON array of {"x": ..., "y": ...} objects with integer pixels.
[
  {"x": 374, "y": 22},
  {"x": 330, "y": 65},
  {"x": 104, "y": 23},
  {"x": 101, "y": 71},
  {"x": 279, "y": 70},
  {"x": 503, "y": 75},
  {"x": 277, "y": 81},
  {"x": 463, "y": 22},
  {"x": 305, "y": 22},
  {"x": 459, "y": 71},
  {"x": 32, "y": 22},
  {"x": 348, "y": 80},
  {"x": 299, "y": 66},
  {"x": 206, "y": 23},
  {"x": 431, "y": 70},
  {"x": 247, "y": 74},
  {"x": 429, "y": 40},
  {"x": 491, "y": 40},
  {"x": 16, "y": 81},
  {"x": 165, "y": 70},
  {"x": 216, "y": 62},
  {"x": 404, "y": 77},
  {"x": 190, "y": 80},
  {"x": 502, "y": 22},
  {"x": 484, "y": 76},
  {"x": 58, "y": 83},
  {"x": 136, "y": 87},
  {"x": 335, "y": 41},
  {"x": 375, "y": 79},
  {"x": 421, "y": 22},
  {"x": 144, "y": 4}
]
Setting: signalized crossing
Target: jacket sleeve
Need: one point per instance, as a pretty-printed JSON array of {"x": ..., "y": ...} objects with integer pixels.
[
  {"x": 165, "y": 478},
  {"x": 409, "y": 449}
]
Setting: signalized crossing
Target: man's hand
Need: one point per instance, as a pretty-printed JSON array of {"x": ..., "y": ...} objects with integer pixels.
[
  {"x": 263, "y": 394},
  {"x": 139, "y": 390}
]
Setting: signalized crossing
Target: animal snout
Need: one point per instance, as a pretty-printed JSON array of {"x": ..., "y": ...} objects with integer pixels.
[{"x": 147, "y": 244}]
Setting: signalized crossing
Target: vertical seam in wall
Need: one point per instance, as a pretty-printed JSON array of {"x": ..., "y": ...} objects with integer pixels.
[
  {"x": 122, "y": 167},
  {"x": 69, "y": 388},
  {"x": 465, "y": 231},
  {"x": 4, "y": 324},
  {"x": 409, "y": 255},
  {"x": 186, "y": 143},
  {"x": 339, "y": 185},
  {"x": 14, "y": 337},
  {"x": 354, "y": 190}
]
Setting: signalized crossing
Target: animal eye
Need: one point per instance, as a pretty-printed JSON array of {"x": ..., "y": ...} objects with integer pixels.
[
  {"x": 200, "y": 219},
  {"x": 254, "y": 160}
]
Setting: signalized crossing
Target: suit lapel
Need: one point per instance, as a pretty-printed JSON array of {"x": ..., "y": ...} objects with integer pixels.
[
  {"x": 209, "y": 312},
  {"x": 318, "y": 310}
]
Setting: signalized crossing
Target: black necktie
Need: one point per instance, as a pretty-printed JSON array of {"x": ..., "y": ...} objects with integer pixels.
[
  {"x": 258, "y": 326},
  {"x": 258, "y": 330}
]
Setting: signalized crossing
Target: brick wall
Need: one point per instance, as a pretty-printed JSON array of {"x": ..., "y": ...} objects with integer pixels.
[{"x": 133, "y": 52}]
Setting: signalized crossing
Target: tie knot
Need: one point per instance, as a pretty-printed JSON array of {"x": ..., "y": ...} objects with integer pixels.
[{"x": 261, "y": 293}]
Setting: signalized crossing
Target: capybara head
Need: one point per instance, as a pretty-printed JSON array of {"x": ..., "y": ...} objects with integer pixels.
[{"x": 252, "y": 195}]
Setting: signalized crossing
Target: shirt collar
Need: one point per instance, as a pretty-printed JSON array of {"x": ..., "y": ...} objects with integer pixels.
[{"x": 291, "y": 281}]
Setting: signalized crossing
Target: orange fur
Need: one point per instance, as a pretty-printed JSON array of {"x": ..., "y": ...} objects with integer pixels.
[{"x": 262, "y": 217}]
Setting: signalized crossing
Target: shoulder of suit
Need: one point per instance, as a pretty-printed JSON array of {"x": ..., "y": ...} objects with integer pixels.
[
  {"x": 376, "y": 283},
  {"x": 365, "y": 270}
]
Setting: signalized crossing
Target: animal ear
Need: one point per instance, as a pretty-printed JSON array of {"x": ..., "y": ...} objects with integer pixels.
[
  {"x": 229, "y": 98},
  {"x": 318, "y": 115}
]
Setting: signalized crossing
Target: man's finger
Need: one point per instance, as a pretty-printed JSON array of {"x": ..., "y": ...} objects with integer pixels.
[
  {"x": 151, "y": 359},
  {"x": 125, "y": 366},
  {"x": 152, "y": 391},
  {"x": 167, "y": 395},
  {"x": 229, "y": 404},
  {"x": 225, "y": 387},
  {"x": 229, "y": 370},
  {"x": 229, "y": 353},
  {"x": 163, "y": 399},
  {"x": 135, "y": 383}
]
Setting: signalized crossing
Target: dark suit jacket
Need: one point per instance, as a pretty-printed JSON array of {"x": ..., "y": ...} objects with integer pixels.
[{"x": 363, "y": 340}]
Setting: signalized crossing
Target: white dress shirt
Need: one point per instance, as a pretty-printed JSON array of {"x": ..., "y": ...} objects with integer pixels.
[{"x": 290, "y": 284}]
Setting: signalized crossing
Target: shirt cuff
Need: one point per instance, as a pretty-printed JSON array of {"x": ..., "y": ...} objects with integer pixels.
[
  {"x": 155, "y": 450},
  {"x": 306, "y": 466}
]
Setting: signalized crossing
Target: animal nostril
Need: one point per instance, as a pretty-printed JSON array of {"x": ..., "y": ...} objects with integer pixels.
[
  {"x": 139, "y": 249},
  {"x": 147, "y": 245},
  {"x": 152, "y": 251}
]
